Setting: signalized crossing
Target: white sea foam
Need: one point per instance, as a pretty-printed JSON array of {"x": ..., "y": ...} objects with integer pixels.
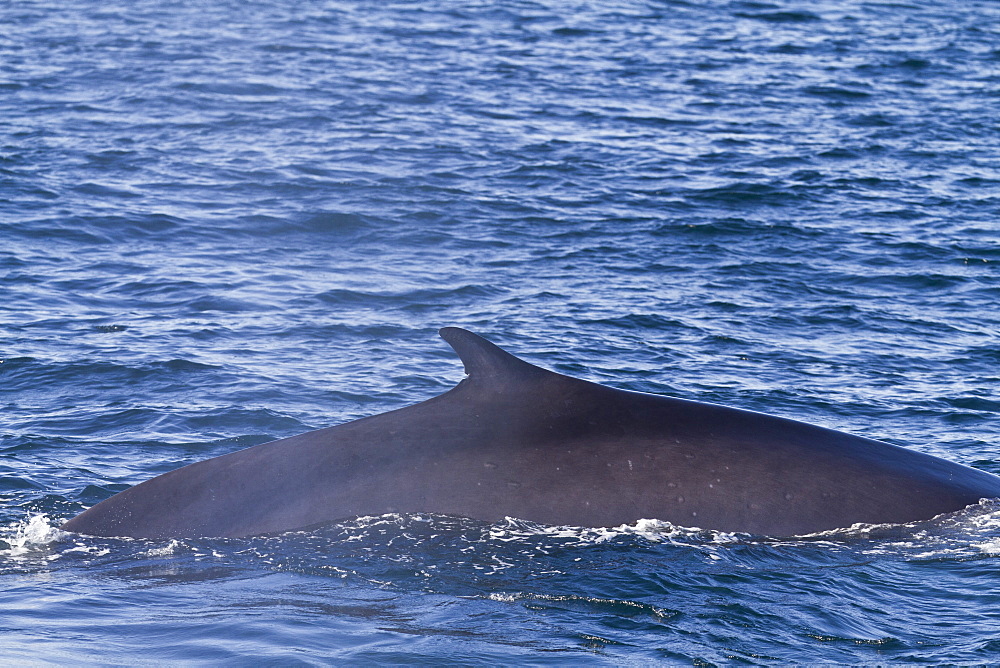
[
  {"x": 31, "y": 536},
  {"x": 969, "y": 532},
  {"x": 170, "y": 548}
]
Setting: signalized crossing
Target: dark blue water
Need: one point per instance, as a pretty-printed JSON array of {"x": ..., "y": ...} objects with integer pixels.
[{"x": 227, "y": 222}]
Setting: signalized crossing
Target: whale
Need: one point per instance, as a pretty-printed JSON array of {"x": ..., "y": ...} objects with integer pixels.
[{"x": 512, "y": 439}]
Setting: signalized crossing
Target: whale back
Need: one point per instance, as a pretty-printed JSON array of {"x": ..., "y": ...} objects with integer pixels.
[{"x": 515, "y": 440}]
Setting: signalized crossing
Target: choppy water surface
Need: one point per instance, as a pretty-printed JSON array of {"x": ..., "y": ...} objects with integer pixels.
[{"x": 228, "y": 222}]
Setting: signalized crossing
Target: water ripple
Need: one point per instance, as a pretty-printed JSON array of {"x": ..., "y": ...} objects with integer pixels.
[{"x": 227, "y": 222}]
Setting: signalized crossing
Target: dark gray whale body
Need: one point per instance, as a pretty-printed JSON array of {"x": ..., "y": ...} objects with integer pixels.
[{"x": 513, "y": 439}]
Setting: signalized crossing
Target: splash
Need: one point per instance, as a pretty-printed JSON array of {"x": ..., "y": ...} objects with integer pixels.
[
  {"x": 30, "y": 537},
  {"x": 171, "y": 548}
]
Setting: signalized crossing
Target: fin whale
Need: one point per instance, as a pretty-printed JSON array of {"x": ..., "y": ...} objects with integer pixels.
[{"x": 513, "y": 439}]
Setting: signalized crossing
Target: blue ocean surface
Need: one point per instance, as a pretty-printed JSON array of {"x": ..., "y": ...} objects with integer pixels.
[{"x": 227, "y": 222}]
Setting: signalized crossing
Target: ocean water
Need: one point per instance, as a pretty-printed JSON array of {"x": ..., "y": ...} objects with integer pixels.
[{"x": 227, "y": 222}]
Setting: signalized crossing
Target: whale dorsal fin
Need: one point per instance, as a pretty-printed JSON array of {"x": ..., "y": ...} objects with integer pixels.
[{"x": 484, "y": 360}]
